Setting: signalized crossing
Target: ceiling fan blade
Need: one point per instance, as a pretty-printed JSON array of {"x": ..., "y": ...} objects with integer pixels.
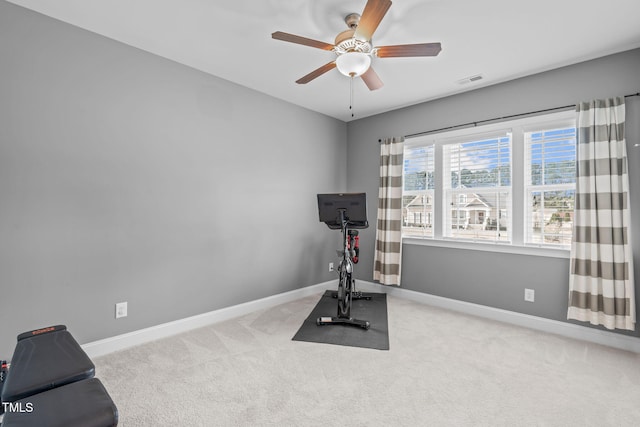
[
  {"x": 292, "y": 38},
  {"x": 405, "y": 50},
  {"x": 372, "y": 14},
  {"x": 371, "y": 79},
  {"x": 317, "y": 73}
]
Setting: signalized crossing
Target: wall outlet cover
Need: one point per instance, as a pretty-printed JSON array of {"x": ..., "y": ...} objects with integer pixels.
[
  {"x": 121, "y": 310},
  {"x": 529, "y": 295}
]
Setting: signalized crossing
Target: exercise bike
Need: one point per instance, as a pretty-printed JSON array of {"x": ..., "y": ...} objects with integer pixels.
[{"x": 346, "y": 212}]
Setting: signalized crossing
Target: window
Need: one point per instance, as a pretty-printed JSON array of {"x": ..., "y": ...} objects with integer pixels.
[
  {"x": 510, "y": 183},
  {"x": 417, "y": 196},
  {"x": 550, "y": 185},
  {"x": 477, "y": 189}
]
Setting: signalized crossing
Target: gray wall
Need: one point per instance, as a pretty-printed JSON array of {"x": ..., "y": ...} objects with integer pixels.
[
  {"x": 440, "y": 271},
  {"x": 128, "y": 177}
]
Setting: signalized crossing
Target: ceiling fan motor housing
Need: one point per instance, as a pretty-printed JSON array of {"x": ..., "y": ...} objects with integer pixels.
[{"x": 345, "y": 42}]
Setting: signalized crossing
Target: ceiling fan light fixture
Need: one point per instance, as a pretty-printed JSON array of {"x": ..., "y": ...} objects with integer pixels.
[{"x": 353, "y": 64}]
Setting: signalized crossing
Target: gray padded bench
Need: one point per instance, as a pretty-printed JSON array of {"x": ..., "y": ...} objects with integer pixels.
[{"x": 51, "y": 383}]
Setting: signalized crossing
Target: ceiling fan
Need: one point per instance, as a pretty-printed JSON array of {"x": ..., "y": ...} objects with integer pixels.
[{"x": 354, "y": 48}]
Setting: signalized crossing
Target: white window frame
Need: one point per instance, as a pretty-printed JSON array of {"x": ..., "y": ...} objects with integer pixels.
[{"x": 519, "y": 201}]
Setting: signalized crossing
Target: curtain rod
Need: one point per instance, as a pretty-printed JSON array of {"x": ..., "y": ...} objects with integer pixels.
[{"x": 565, "y": 107}]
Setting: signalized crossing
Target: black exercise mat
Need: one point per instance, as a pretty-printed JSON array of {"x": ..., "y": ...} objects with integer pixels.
[{"x": 373, "y": 310}]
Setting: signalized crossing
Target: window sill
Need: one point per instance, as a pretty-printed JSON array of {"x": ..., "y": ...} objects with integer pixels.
[{"x": 490, "y": 247}]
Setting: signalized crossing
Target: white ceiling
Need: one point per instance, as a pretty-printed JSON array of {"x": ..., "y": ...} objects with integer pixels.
[{"x": 231, "y": 39}]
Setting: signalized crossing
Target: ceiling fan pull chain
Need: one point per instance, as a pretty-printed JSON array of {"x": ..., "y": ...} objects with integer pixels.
[{"x": 351, "y": 96}]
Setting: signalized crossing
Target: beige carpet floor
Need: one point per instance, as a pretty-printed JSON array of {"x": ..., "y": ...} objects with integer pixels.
[{"x": 443, "y": 369}]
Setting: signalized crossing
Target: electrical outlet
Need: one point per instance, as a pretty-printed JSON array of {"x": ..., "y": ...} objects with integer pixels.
[
  {"x": 330, "y": 266},
  {"x": 121, "y": 310},
  {"x": 529, "y": 295}
]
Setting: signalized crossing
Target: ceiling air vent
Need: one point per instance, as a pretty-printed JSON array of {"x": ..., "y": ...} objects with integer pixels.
[{"x": 470, "y": 79}]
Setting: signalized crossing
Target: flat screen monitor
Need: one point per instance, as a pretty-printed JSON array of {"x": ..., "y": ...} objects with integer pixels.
[{"x": 354, "y": 206}]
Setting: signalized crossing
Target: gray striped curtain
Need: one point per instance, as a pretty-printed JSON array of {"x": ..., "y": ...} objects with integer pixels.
[
  {"x": 388, "y": 254},
  {"x": 601, "y": 285}
]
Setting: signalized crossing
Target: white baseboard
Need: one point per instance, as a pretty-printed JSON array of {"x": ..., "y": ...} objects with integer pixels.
[
  {"x": 121, "y": 342},
  {"x": 569, "y": 330}
]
